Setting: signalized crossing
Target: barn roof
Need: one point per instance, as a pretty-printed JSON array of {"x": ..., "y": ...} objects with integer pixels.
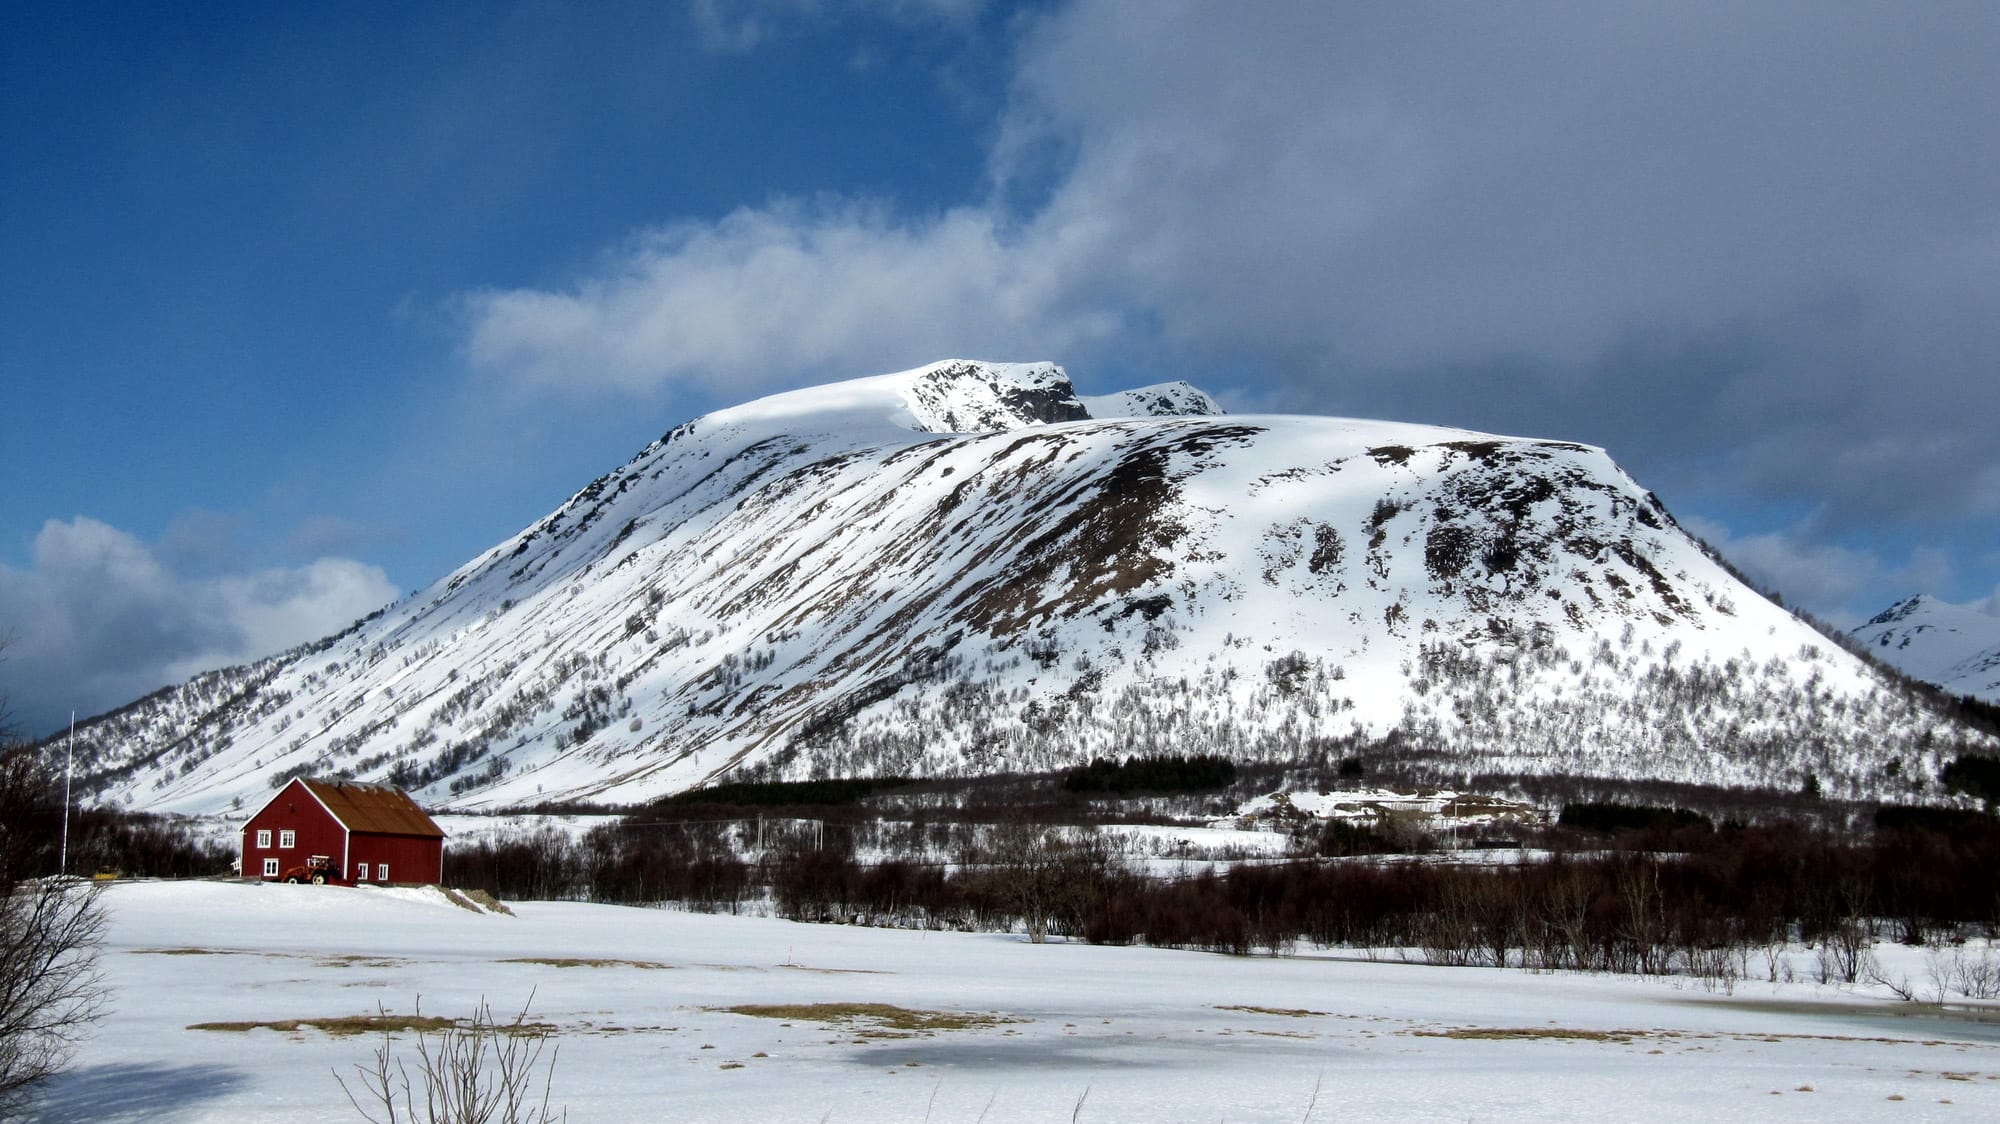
[{"x": 381, "y": 809}]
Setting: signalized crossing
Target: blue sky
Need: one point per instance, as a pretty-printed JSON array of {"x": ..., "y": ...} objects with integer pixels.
[{"x": 303, "y": 305}]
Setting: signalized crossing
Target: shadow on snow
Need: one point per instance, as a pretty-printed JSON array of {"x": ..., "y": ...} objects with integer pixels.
[{"x": 114, "y": 1093}]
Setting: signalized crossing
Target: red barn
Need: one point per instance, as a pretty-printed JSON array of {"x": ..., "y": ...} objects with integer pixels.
[{"x": 342, "y": 831}]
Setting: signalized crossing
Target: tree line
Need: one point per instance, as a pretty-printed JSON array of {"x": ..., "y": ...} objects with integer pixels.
[{"x": 1646, "y": 891}]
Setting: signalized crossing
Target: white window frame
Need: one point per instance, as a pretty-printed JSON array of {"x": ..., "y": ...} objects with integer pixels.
[
  {"x": 287, "y": 839},
  {"x": 270, "y": 868},
  {"x": 381, "y": 872},
  {"x": 361, "y": 872},
  {"x": 264, "y": 838}
]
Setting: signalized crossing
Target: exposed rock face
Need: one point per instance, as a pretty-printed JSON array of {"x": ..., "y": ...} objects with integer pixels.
[
  {"x": 968, "y": 568},
  {"x": 963, "y": 397}
]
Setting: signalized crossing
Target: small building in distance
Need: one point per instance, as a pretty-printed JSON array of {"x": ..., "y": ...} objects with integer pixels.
[{"x": 345, "y": 832}]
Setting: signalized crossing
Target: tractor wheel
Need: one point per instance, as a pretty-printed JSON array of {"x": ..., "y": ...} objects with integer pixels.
[
  {"x": 319, "y": 878},
  {"x": 292, "y": 879}
]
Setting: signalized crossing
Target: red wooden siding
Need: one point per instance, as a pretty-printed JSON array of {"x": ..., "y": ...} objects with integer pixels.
[
  {"x": 295, "y": 809},
  {"x": 410, "y": 858}
]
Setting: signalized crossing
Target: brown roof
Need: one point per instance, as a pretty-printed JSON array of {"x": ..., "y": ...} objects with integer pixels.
[{"x": 382, "y": 809}]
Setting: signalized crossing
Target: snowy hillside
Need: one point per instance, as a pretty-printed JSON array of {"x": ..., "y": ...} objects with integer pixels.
[
  {"x": 1953, "y": 646},
  {"x": 968, "y": 568}
]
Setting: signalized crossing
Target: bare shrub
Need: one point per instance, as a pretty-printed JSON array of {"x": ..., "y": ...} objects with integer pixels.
[
  {"x": 1051, "y": 878},
  {"x": 51, "y": 989},
  {"x": 1450, "y": 932},
  {"x": 1975, "y": 977},
  {"x": 1898, "y": 985},
  {"x": 1845, "y": 954},
  {"x": 473, "y": 1071},
  {"x": 1718, "y": 969}
]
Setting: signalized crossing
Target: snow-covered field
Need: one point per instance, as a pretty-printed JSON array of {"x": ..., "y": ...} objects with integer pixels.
[{"x": 1133, "y": 1034}]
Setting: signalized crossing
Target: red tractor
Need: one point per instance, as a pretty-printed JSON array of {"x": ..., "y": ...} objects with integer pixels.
[{"x": 315, "y": 870}]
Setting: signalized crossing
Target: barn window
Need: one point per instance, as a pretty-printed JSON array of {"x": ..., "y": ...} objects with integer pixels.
[
  {"x": 264, "y": 837},
  {"x": 287, "y": 840},
  {"x": 270, "y": 866},
  {"x": 381, "y": 872},
  {"x": 361, "y": 875}
]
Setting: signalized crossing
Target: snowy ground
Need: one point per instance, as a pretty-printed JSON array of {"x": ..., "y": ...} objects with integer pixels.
[{"x": 1135, "y": 1034}]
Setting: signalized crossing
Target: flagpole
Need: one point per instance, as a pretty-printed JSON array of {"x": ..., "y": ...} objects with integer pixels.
[{"x": 69, "y": 758}]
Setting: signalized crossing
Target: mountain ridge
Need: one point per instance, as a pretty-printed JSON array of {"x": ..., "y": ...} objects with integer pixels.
[{"x": 963, "y": 568}]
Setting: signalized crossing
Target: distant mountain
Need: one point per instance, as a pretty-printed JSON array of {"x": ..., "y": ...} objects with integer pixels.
[
  {"x": 967, "y": 568},
  {"x": 1955, "y": 647}
]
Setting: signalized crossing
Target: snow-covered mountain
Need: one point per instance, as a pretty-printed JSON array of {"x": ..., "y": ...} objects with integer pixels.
[
  {"x": 1955, "y": 647},
  {"x": 967, "y": 568}
]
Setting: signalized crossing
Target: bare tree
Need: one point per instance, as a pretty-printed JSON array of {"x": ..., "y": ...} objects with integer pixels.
[
  {"x": 6, "y": 711},
  {"x": 51, "y": 989},
  {"x": 473, "y": 1071},
  {"x": 1049, "y": 876}
]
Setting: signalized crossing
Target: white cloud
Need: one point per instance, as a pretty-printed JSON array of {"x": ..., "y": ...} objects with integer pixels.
[
  {"x": 100, "y": 619},
  {"x": 1377, "y": 191},
  {"x": 780, "y": 293},
  {"x": 1833, "y": 582}
]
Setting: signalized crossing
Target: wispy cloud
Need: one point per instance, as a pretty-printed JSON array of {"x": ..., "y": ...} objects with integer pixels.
[
  {"x": 785, "y": 292},
  {"x": 737, "y": 26}
]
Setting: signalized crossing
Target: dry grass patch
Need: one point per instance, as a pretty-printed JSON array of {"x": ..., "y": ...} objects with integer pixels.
[
  {"x": 1532, "y": 1033},
  {"x": 478, "y": 901},
  {"x": 872, "y": 1020},
  {"x": 353, "y": 961},
  {"x": 585, "y": 962},
  {"x": 380, "y": 1023},
  {"x": 324, "y": 960},
  {"x": 1287, "y": 1012},
  {"x": 339, "y": 1025}
]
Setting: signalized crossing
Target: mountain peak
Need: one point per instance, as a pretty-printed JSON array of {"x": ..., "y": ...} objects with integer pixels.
[
  {"x": 1161, "y": 400},
  {"x": 1956, "y": 647},
  {"x": 971, "y": 396},
  {"x": 1902, "y": 610},
  {"x": 951, "y": 396}
]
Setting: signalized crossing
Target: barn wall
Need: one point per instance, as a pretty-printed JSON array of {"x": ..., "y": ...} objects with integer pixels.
[
  {"x": 295, "y": 809},
  {"x": 410, "y": 858}
]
